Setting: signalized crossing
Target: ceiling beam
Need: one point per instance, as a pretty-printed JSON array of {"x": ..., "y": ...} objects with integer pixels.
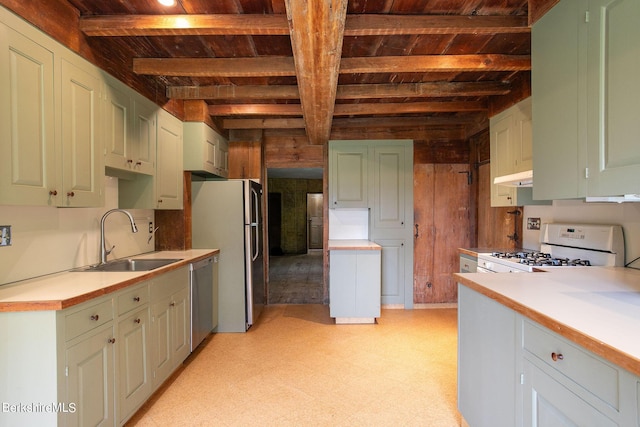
[
  {"x": 347, "y": 109},
  {"x": 362, "y": 91},
  {"x": 354, "y": 122},
  {"x": 317, "y": 31},
  {"x": 276, "y": 24},
  {"x": 284, "y": 66}
]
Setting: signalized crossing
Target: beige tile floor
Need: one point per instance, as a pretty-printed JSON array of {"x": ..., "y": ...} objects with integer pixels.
[{"x": 296, "y": 368}]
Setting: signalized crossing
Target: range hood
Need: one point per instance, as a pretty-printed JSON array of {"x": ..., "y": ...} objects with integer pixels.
[
  {"x": 520, "y": 179},
  {"x": 614, "y": 199}
]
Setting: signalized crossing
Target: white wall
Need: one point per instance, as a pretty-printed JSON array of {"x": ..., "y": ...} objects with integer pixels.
[
  {"x": 47, "y": 240},
  {"x": 578, "y": 211}
]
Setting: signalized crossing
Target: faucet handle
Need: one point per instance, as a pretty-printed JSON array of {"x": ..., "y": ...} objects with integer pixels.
[{"x": 108, "y": 251}]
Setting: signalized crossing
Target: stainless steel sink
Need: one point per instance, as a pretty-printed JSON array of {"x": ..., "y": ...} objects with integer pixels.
[{"x": 131, "y": 264}]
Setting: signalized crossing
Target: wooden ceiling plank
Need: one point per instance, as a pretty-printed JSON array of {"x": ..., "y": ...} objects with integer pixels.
[
  {"x": 286, "y": 123},
  {"x": 435, "y": 63},
  {"x": 356, "y": 122},
  {"x": 184, "y": 25},
  {"x": 392, "y": 25},
  {"x": 317, "y": 31},
  {"x": 215, "y": 67}
]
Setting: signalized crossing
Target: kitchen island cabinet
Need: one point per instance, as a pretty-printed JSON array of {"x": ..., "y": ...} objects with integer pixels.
[
  {"x": 562, "y": 341},
  {"x": 354, "y": 281}
]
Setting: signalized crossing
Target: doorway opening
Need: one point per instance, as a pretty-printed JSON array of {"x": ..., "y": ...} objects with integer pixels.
[{"x": 295, "y": 230}]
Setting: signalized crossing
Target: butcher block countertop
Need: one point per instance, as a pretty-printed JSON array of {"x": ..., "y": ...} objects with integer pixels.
[
  {"x": 595, "y": 307},
  {"x": 61, "y": 290},
  {"x": 353, "y": 244}
]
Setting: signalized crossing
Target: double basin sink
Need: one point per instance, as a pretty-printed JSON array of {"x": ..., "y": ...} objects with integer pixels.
[{"x": 131, "y": 265}]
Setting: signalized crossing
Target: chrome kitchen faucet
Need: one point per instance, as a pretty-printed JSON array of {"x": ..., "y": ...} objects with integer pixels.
[{"x": 104, "y": 252}]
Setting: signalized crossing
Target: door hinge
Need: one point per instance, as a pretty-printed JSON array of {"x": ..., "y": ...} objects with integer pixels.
[
  {"x": 586, "y": 16},
  {"x": 66, "y": 371},
  {"x": 521, "y": 379},
  {"x": 586, "y": 173}
]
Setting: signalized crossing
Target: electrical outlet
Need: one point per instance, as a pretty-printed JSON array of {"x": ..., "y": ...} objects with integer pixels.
[
  {"x": 5, "y": 235},
  {"x": 150, "y": 227},
  {"x": 533, "y": 223}
]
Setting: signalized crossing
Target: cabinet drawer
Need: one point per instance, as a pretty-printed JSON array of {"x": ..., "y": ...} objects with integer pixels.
[
  {"x": 169, "y": 283},
  {"x": 133, "y": 298},
  {"x": 577, "y": 364},
  {"x": 468, "y": 265},
  {"x": 86, "y": 319}
]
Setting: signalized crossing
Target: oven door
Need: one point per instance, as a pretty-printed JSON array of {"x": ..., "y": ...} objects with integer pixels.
[{"x": 483, "y": 270}]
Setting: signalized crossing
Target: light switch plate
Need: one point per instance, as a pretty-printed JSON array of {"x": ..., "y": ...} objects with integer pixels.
[{"x": 5, "y": 235}]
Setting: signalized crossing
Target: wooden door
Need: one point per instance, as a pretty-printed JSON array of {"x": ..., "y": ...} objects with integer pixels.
[
  {"x": 314, "y": 220},
  {"x": 442, "y": 225}
]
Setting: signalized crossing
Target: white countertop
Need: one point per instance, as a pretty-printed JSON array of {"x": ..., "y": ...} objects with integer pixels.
[
  {"x": 62, "y": 290},
  {"x": 353, "y": 244},
  {"x": 596, "y": 307}
]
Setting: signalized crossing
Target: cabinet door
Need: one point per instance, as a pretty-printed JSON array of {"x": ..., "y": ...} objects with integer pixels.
[
  {"x": 389, "y": 176},
  {"x": 145, "y": 136},
  {"x": 342, "y": 282},
  {"x": 27, "y": 138},
  {"x": 523, "y": 150},
  {"x": 117, "y": 130},
  {"x": 392, "y": 271},
  {"x": 348, "y": 171},
  {"x": 90, "y": 380},
  {"x": 548, "y": 403},
  {"x": 134, "y": 369},
  {"x": 181, "y": 324},
  {"x": 169, "y": 166},
  {"x": 502, "y": 158},
  {"x": 613, "y": 98},
  {"x": 82, "y": 153},
  {"x": 161, "y": 339}
]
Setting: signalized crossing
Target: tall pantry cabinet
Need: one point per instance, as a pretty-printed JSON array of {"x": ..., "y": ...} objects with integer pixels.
[{"x": 377, "y": 175}]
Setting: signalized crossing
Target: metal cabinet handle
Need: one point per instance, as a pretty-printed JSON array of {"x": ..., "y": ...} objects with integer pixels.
[
  {"x": 556, "y": 356},
  {"x": 111, "y": 340},
  {"x": 136, "y": 321},
  {"x": 172, "y": 304},
  {"x": 95, "y": 317},
  {"x": 71, "y": 194},
  {"x": 53, "y": 192},
  {"x": 136, "y": 299}
]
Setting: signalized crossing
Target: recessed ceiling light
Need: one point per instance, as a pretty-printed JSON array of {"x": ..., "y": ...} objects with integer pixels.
[{"x": 167, "y": 2}]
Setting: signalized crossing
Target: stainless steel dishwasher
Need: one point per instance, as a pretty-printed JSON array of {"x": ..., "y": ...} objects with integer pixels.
[{"x": 204, "y": 306}]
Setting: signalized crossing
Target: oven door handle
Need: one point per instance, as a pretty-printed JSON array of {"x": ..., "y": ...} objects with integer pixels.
[{"x": 483, "y": 270}]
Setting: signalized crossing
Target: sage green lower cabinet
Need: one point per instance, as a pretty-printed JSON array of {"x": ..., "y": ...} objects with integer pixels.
[
  {"x": 133, "y": 343},
  {"x": 354, "y": 285},
  {"x": 514, "y": 372},
  {"x": 487, "y": 385},
  {"x": 170, "y": 314},
  {"x": 93, "y": 363}
]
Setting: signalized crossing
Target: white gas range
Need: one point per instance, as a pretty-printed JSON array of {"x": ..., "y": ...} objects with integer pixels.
[{"x": 561, "y": 245}]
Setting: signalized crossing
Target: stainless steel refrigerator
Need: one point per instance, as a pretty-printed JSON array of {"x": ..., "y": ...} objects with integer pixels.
[{"x": 227, "y": 216}]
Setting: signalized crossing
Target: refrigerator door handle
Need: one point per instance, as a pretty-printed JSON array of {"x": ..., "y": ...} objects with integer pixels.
[{"x": 256, "y": 242}]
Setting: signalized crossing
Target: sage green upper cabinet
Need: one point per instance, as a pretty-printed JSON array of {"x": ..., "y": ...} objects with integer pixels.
[
  {"x": 27, "y": 138},
  {"x": 205, "y": 150},
  {"x": 169, "y": 156},
  {"x": 82, "y": 164},
  {"x": 585, "y": 99},
  {"x": 130, "y": 129},
  {"x": 613, "y": 98},
  {"x": 51, "y": 144},
  {"x": 348, "y": 176}
]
